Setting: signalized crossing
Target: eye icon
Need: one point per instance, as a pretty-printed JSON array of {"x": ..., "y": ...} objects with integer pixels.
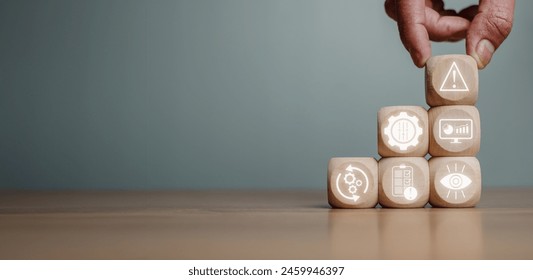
[{"x": 456, "y": 181}]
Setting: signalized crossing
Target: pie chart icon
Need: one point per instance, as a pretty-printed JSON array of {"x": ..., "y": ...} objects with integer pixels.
[{"x": 447, "y": 129}]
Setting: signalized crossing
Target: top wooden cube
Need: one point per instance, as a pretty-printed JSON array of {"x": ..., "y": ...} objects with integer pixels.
[{"x": 451, "y": 80}]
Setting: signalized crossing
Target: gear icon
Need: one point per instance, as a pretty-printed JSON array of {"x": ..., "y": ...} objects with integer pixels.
[
  {"x": 350, "y": 181},
  {"x": 403, "y": 131},
  {"x": 349, "y": 178}
]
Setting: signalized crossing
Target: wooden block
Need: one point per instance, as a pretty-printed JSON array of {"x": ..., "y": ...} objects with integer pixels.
[
  {"x": 454, "y": 181},
  {"x": 451, "y": 80},
  {"x": 403, "y": 182},
  {"x": 454, "y": 131},
  {"x": 403, "y": 131},
  {"x": 353, "y": 182}
]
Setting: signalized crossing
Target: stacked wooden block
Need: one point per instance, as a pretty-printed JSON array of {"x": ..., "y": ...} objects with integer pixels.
[{"x": 449, "y": 132}]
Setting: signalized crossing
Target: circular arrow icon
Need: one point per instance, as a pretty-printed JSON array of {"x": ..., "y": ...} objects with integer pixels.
[{"x": 354, "y": 181}]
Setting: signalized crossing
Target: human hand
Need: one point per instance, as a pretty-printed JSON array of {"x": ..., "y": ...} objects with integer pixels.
[{"x": 485, "y": 26}]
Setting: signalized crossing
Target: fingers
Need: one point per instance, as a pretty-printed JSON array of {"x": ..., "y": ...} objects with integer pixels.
[
  {"x": 423, "y": 20},
  {"x": 411, "y": 17},
  {"x": 485, "y": 26},
  {"x": 488, "y": 29},
  {"x": 437, "y": 5},
  {"x": 390, "y": 9},
  {"x": 445, "y": 28},
  {"x": 469, "y": 13}
]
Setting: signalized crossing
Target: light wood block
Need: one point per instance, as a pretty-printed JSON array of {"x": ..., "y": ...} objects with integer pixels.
[
  {"x": 353, "y": 182},
  {"x": 451, "y": 80},
  {"x": 403, "y": 131},
  {"x": 454, "y": 181},
  {"x": 454, "y": 131},
  {"x": 403, "y": 182}
]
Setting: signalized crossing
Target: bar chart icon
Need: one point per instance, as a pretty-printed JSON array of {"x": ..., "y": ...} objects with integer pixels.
[{"x": 456, "y": 129}]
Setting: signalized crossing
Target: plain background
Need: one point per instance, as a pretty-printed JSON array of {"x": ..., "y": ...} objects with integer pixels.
[{"x": 109, "y": 94}]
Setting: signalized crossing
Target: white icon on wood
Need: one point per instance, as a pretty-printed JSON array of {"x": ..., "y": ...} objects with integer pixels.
[
  {"x": 454, "y": 80},
  {"x": 456, "y": 129},
  {"x": 403, "y": 182},
  {"x": 456, "y": 181},
  {"x": 403, "y": 131},
  {"x": 354, "y": 180}
]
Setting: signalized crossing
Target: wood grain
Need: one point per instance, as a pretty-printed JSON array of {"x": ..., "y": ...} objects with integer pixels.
[
  {"x": 394, "y": 182},
  {"x": 257, "y": 224},
  {"x": 361, "y": 191},
  {"x": 385, "y": 149},
  {"x": 443, "y": 147},
  {"x": 454, "y": 181},
  {"x": 443, "y": 87}
]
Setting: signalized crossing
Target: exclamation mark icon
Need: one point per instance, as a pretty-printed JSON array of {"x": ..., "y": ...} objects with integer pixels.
[
  {"x": 458, "y": 82},
  {"x": 454, "y": 73}
]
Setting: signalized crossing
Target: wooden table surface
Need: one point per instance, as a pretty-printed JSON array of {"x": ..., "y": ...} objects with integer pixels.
[{"x": 275, "y": 224}]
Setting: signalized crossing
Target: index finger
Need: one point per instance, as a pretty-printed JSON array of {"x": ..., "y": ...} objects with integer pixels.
[{"x": 413, "y": 33}]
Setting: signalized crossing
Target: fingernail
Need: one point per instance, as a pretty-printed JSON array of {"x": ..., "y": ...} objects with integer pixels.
[{"x": 484, "y": 52}]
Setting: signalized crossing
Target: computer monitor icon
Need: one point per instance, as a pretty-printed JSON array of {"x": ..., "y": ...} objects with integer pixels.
[{"x": 455, "y": 130}]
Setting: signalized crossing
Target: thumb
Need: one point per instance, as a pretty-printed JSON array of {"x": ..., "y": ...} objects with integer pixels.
[{"x": 488, "y": 29}]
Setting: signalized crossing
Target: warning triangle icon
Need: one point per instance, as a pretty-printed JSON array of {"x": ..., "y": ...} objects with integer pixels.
[{"x": 454, "y": 80}]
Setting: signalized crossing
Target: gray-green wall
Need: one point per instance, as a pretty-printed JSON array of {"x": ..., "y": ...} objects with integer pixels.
[{"x": 224, "y": 93}]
